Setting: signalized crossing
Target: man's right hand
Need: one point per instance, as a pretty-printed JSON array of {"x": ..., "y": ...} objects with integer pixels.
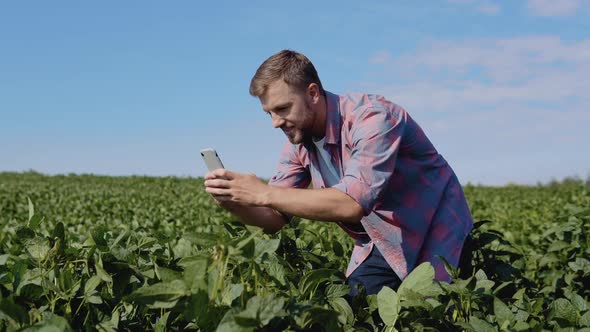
[
  {"x": 228, "y": 205},
  {"x": 270, "y": 220}
]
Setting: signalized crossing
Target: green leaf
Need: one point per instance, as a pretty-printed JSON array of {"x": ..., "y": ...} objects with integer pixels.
[
  {"x": 183, "y": 248},
  {"x": 579, "y": 302},
  {"x": 31, "y": 209},
  {"x": 168, "y": 275},
  {"x": 91, "y": 284},
  {"x": 100, "y": 271},
  {"x": 421, "y": 281},
  {"x": 312, "y": 279},
  {"x": 373, "y": 302},
  {"x": 266, "y": 246},
  {"x": 585, "y": 319},
  {"x": 328, "y": 318},
  {"x": 521, "y": 326},
  {"x": 13, "y": 311},
  {"x": 270, "y": 307},
  {"x": 262, "y": 310},
  {"x": 502, "y": 312},
  {"x": 38, "y": 248},
  {"x": 275, "y": 269},
  {"x": 389, "y": 305},
  {"x": 481, "y": 325},
  {"x": 197, "y": 309},
  {"x": 486, "y": 285},
  {"x": 563, "y": 309},
  {"x": 230, "y": 293},
  {"x": 195, "y": 274},
  {"x": 4, "y": 259},
  {"x": 50, "y": 323},
  {"x": 346, "y": 316},
  {"x": 580, "y": 264},
  {"x": 413, "y": 299},
  {"x": 336, "y": 290},
  {"x": 35, "y": 222},
  {"x": 521, "y": 315},
  {"x": 558, "y": 246},
  {"x": 94, "y": 299},
  {"x": 162, "y": 322},
  {"x": 160, "y": 295}
]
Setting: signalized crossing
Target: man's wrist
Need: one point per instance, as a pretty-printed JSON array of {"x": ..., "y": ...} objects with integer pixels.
[{"x": 271, "y": 197}]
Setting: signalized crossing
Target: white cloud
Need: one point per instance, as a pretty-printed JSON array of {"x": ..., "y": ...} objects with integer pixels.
[
  {"x": 521, "y": 104},
  {"x": 553, "y": 8},
  {"x": 493, "y": 70}
]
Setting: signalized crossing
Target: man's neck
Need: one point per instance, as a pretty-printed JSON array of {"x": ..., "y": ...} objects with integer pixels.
[{"x": 319, "y": 129}]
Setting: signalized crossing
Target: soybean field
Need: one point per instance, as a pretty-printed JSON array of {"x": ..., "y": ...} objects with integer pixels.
[{"x": 87, "y": 252}]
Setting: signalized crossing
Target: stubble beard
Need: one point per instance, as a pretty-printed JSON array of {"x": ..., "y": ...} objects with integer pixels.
[
  {"x": 297, "y": 136},
  {"x": 300, "y": 135}
]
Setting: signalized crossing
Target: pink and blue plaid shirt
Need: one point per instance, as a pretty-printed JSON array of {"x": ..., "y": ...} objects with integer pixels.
[{"x": 413, "y": 203}]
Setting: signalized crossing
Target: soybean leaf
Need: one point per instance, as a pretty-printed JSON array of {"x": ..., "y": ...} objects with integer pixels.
[
  {"x": 564, "y": 310},
  {"x": 389, "y": 305},
  {"x": 502, "y": 312},
  {"x": 480, "y": 325},
  {"x": 346, "y": 316},
  {"x": 420, "y": 281},
  {"x": 160, "y": 295}
]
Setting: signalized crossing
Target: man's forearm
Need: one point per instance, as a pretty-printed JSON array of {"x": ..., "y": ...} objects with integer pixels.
[
  {"x": 270, "y": 220},
  {"x": 318, "y": 204}
]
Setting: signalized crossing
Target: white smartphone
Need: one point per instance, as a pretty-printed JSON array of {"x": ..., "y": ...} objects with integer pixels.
[{"x": 211, "y": 159}]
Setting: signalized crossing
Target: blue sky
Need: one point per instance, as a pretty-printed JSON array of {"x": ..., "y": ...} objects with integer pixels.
[{"x": 139, "y": 87}]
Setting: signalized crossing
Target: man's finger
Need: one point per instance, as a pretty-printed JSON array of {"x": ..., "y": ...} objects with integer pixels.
[
  {"x": 217, "y": 191},
  {"x": 217, "y": 183},
  {"x": 223, "y": 173},
  {"x": 210, "y": 176}
]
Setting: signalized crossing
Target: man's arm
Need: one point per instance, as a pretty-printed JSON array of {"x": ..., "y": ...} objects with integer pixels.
[
  {"x": 318, "y": 204},
  {"x": 246, "y": 190},
  {"x": 268, "y": 219}
]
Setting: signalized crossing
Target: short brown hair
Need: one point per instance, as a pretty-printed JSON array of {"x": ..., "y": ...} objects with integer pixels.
[{"x": 293, "y": 67}]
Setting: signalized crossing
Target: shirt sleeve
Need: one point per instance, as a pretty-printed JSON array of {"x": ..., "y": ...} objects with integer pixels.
[
  {"x": 376, "y": 135},
  {"x": 291, "y": 172}
]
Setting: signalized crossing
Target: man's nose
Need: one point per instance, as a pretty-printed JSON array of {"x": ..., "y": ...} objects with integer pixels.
[{"x": 277, "y": 121}]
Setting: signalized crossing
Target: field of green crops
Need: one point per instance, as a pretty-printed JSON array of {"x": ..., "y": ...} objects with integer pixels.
[{"x": 139, "y": 253}]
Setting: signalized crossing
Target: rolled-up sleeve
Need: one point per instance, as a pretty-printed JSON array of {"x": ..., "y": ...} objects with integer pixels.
[
  {"x": 375, "y": 137},
  {"x": 291, "y": 172}
]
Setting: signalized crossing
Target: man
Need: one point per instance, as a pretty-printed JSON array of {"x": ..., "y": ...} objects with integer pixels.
[{"x": 373, "y": 170}]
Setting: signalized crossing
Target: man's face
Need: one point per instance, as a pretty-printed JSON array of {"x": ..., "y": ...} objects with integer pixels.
[{"x": 289, "y": 110}]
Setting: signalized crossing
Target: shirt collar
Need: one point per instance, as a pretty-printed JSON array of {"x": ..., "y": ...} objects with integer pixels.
[{"x": 332, "y": 118}]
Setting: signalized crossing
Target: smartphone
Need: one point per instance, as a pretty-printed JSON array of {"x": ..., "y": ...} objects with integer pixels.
[{"x": 211, "y": 159}]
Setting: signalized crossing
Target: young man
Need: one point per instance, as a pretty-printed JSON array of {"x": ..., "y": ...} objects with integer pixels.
[{"x": 373, "y": 170}]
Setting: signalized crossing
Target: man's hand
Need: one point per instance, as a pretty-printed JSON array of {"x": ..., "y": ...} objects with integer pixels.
[
  {"x": 244, "y": 196},
  {"x": 240, "y": 192},
  {"x": 230, "y": 189}
]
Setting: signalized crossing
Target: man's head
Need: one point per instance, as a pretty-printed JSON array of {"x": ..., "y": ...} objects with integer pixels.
[{"x": 291, "y": 93}]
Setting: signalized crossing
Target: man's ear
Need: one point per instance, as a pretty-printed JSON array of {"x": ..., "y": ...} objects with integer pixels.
[{"x": 313, "y": 92}]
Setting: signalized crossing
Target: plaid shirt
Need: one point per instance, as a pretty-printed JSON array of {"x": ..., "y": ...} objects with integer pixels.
[{"x": 414, "y": 207}]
